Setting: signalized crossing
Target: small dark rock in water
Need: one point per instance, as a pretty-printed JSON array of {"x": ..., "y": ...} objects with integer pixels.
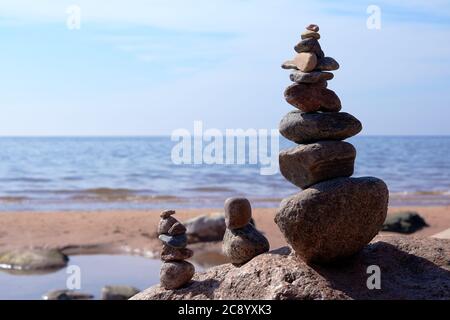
[
  {"x": 242, "y": 245},
  {"x": 67, "y": 295},
  {"x": 33, "y": 259},
  {"x": 301, "y": 127},
  {"x": 404, "y": 222},
  {"x": 238, "y": 212},
  {"x": 179, "y": 241},
  {"x": 308, "y": 164},
  {"x": 118, "y": 292},
  {"x": 333, "y": 219},
  {"x": 177, "y": 229},
  {"x": 176, "y": 274},
  {"x": 172, "y": 254},
  {"x": 165, "y": 224}
]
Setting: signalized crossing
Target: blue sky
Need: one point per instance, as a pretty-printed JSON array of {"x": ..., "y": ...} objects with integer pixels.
[{"x": 143, "y": 67}]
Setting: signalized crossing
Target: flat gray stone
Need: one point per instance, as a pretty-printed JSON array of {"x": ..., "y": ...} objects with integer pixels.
[
  {"x": 67, "y": 295},
  {"x": 177, "y": 242},
  {"x": 303, "y": 128},
  {"x": 309, "y": 164},
  {"x": 327, "y": 64},
  {"x": 310, "y": 77}
]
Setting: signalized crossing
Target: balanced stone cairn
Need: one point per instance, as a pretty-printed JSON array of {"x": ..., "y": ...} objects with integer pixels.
[
  {"x": 335, "y": 216},
  {"x": 175, "y": 272},
  {"x": 241, "y": 242}
]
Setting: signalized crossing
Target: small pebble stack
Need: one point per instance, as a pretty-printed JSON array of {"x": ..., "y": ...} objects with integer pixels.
[
  {"x": 335, "y": 216},
  {"x": 175, "y": 272},
  {"x": 241, "y": 242}
]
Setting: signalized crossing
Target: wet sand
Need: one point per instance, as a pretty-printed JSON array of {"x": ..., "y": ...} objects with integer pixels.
[{"x": 135, "y": 231}]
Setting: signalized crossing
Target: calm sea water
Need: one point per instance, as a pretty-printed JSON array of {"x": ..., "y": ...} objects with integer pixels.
[{"x": 104, "y": 173}]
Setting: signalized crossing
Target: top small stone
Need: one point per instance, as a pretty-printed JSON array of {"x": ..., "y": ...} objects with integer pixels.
[
  {"x": 238, "y": 213},
  {"x": 167, "y": 213},
  {"x": 313, "y": 27}
]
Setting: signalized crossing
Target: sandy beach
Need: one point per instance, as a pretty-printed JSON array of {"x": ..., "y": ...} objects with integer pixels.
[{"x": 134, "y": 232}]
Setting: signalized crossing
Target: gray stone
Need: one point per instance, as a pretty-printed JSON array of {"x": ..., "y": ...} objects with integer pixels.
[
  {"x": 309, "y": 164},
  {"x": 301, "y": 127},
  {"x": 242, "y": 245},
  {"x": 172, "y": 254},
  {"x": 404, "y": 222},
  {"x": 206, "y": 228},
  {"x": 305, "y": 61},
  {"x": 177, "y": 242},
  {"x": 289, "y": 64},
  {"x": 333, "y": 219},
  {"x": 312, "y": 98},
  {"x": 311, "y": 77},
  {"x": 177, "y": 229},
  {"x": 33, "y": 259},
  {"x": 310, "y": 45},
  {"x": 238, "y": 212},
  {"x": 118, "y": 292},
  {"x": 327, "y": 64},
  {"x": 67, "y": 295},
  {"x": 165, "y": 224},
  {"x": 176, "y": 274},
  {"x": 167, "y": 213},
  {"x": 310, "y": 34}
]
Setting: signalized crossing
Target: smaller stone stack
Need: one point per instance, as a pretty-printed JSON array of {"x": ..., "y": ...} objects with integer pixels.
[
  {"x": 335, "y": 215},
  {"x": 175, "y": 272},
  {"x": 241, "y": 242}
]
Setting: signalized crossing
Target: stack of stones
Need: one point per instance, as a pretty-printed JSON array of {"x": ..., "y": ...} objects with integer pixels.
[
  {"x": 175, "y": 272},
  {"x": 241, "y": 242},
  {"x": 335, "y": 216}
]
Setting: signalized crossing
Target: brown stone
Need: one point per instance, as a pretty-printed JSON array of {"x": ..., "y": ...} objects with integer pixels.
[
  {"x": 333, "y": 219},
  {"x": 238, "y": 212},
  {"x": 313, "y": 27},
  {"x": 327, "y": 64},
  {"x": 174, "y": 254},
  {"x": 305, "y": 61},
  {"x": 411, "y": 269},
  {"x": 177, "y": 229},
  {"x": 165, "y": 224},
  {"x": 176, "y": 274},
  {"x": 289, "y": 64},
  {"x": 167, "y": 213},
  {"x": 312, "y": 98},
  {"x": 310, "y": 45},
  {"x": 308, "y": 164},
  {"x": 310, "y": 34}
]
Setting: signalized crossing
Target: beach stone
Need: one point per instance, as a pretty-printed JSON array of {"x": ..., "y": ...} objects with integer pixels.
[
  {"x": 165, "y": 224},
  {"x": 333, "y": 219},
  {"x": 305, "y": 165},
  {"x": 172, "y": 254},
  {"x": 167, "y": 213},
  {"x": 310, "y": 45},
  {"x": 206, "y": 228},
  {"x": 242, "y": 245},
  {"x": 411, "y": 269},
  {"x": 303, "y": 128},
  {"x": 406, "y": 222},
  {"x": 176, "y": 274},
  {"x": 313, "y": 27},
  {"x": 118, "y": 292},
  {"x": 310, "y": 77},
  {"x": 289, "y": 64},
  {"x": 305, "y": 61},
  {"x": 327, "y": 64},
  {"x": 238, "y": 212},
  {"x": 310, "y": 34},
  {"x": 312, "y": 98},
  {"x": 177, "y": 229},
  {"x": 67, "y": 295},
  {"x": 33, "y": 259},
  {"x": 177, "y": 242}
]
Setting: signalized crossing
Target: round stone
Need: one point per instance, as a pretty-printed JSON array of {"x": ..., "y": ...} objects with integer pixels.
[
  {"x": 305, "y": 61},
  {"x": 327, "y": 64},
  {"x": 176, "y": 274},
  {"x": 177, "y": 242},
  {"x": 165, "y": 224},
  {"x": 177, "y": 229},
  {"x": 310, "y": 45},
  {"x": 238, "y": 212},
  {"x": 303, "y": 128},
  {"x": 242, "y": 245},
  {"x": 167, "y": 213},
  {"x": 172, "y": 254},
  {"x": 313, "y": 27},
  {"x": 333, "y": 219},
  {"x": 312, "y": 98},
  {"x": 310, "y": 77},
  {"x": 310, "y": 34},
  {"x": 309, "y": 164}
]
